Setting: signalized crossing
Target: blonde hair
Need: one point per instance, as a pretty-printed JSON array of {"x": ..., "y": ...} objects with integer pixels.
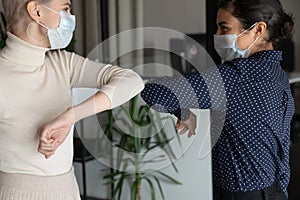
[{"x": 14, "y": 11}]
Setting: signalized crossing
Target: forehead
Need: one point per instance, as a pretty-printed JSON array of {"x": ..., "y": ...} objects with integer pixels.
[{"x": 225, "y": 16}]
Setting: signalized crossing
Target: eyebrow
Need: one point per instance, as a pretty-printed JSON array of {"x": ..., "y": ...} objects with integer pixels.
[
  {"x": 68, "y": 4},
  {"x": 222, "y": 23}
]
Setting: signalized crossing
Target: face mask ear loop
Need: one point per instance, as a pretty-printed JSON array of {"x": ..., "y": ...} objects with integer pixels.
[
  {"x": 253, "y": 43},
  {"x": 51, "y": 9},
  {"x": 43, "y": 25},
  {"x": 246, "y": 30}
]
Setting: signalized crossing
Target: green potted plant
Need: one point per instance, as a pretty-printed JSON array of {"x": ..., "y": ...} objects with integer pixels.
[{"x": 145, "y": 136}]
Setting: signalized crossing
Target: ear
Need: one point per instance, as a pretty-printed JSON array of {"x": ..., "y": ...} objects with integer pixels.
[
  {"x": 260, "y": 29},
  {"x": 33, "y": 10}
]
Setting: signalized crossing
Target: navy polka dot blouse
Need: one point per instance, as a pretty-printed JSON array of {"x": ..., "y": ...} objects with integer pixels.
[{"x": 252, "y": 151}]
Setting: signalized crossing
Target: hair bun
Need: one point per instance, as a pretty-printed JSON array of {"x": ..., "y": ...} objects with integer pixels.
[{"x": 287, "y": 28}]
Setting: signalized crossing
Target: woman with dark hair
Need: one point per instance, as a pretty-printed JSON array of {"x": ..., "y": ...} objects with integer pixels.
[{"x": 251, "y": 156}]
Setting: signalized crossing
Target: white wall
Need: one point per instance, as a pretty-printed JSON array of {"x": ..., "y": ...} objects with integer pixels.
[
  {"x": 186, "y": 16},
  {"x": 194, "y": 171}
]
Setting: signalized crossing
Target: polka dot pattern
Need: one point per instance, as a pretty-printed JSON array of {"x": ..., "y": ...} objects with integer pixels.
[{"x": 253, "y": 149}]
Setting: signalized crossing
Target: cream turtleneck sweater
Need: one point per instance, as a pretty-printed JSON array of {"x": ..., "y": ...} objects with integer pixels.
[{"x": 35, "y": 87}]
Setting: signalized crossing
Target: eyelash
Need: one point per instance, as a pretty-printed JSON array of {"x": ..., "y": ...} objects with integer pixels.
[
  {"x": 67, "y": 9},
  {"x": 224, "y": 28}
]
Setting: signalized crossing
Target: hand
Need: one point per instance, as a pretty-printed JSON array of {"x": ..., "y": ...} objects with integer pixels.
[
  {"x": 188, "y": 125},
  {"x": 53, "y": 134}
]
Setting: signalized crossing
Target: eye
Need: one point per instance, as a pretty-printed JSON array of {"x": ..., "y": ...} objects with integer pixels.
[
  {"x": 224, "y": 28},
  {"x": 67, "y": 9}
]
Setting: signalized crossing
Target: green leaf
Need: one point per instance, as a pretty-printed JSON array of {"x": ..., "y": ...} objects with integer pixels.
[
  {"x": 127, "y": 160},
  {"x": 159, "y": 187},
  {"x": 151, "y": 188},
  {"x": 120, "y": 152},
  {"x": 133, "y": 108},
  {"x": 111, "y": 175},
  {"x": 119, "y": 185},
  {"x": 170, "y": 178},
  {"x": 121, "y": 132},
  {"x": 155, "y": 160},
  {"x": 125, "y": 122},
  {"x": 111, "y": 182},
  {"x": 144, "y": 112},
  {"x": 133, "y": 190}
]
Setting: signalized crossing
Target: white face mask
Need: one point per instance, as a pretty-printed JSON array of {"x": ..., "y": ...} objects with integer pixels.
[
  {"x": 61, "y": 36},
  {"x": 227, "y": 48}
]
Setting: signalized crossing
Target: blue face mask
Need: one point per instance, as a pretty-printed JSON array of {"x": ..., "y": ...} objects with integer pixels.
[
  {"x": 61, "y": 36},
  {"x": 227, "y": 48}
]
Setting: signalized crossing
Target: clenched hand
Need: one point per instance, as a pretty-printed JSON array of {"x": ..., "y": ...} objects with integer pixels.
[{"x": 53, "y": 134}]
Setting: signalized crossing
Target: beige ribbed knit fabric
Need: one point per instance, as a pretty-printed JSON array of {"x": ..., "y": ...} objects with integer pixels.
[
  {"x": 35, "y": 87},
  {"x": 30, "y": 187}
]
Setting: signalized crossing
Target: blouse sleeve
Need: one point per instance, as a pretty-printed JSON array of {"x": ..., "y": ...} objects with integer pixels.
[
  {"x": 176, "y": 95},
  {"x": 119, "y": 85}
]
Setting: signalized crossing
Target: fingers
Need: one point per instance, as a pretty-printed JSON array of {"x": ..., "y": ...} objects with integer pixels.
[
  {"x": 47, "y": 154},
  {"x": 53, "y": 134},
  {"x": 48, "y": 143},
  {"x": 178, "y": 123},
  {"x": 191, "y": 133},
  {"x": 183, "y": 128},
  {"x": 48, "y": 148},
  {"x": 180, "y": 127}
]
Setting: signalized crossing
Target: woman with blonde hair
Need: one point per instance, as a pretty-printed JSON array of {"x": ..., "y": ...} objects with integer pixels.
[{"x": 36, "y": 112}]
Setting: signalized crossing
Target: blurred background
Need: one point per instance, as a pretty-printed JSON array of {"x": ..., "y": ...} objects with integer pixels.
[{"x": 98, "y": 20}]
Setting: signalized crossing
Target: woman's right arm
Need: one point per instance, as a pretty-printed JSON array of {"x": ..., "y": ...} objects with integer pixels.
[
  {"x": 176, "y": 95},
  {"x": 118, "y": 84}
]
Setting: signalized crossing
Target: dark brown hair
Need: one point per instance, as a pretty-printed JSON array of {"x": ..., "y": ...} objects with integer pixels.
[{"x": 280, "y": 25}]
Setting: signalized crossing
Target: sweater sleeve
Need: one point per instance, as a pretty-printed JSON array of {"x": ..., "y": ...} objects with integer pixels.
[
  {"x": 176, "y": 95},
  {"x": 119, "y": 85}
]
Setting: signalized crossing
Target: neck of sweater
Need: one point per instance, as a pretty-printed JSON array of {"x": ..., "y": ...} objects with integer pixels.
[{"x": 23, "y": 53}]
